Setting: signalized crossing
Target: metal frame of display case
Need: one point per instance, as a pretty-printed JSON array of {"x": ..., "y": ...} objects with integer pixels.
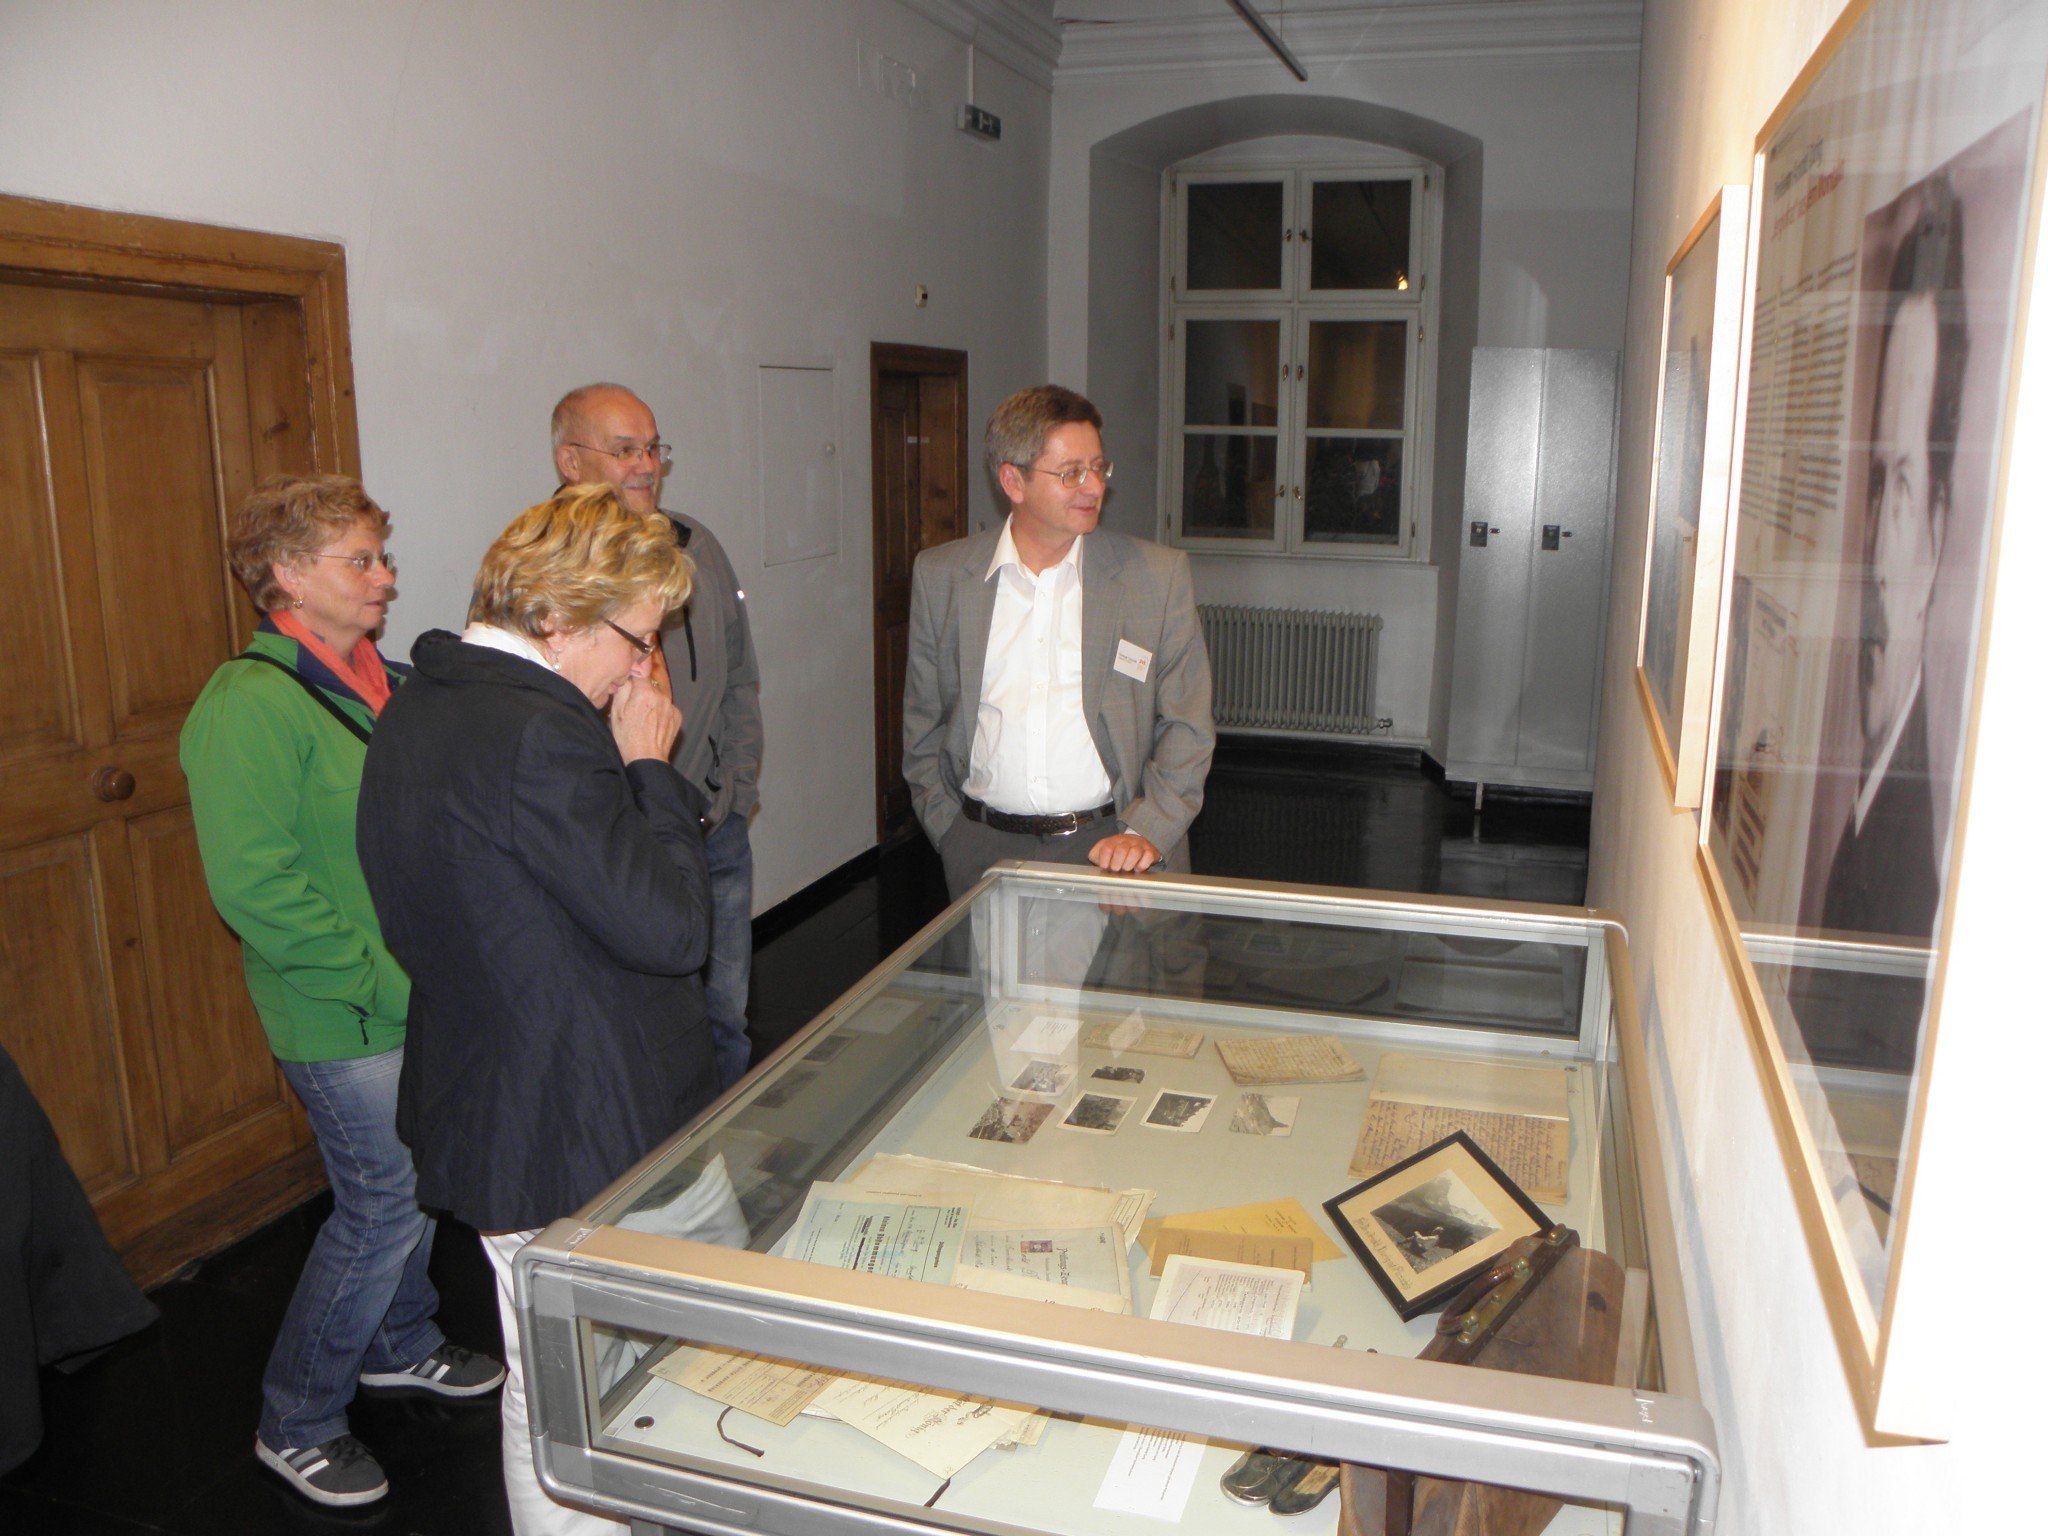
[{"x": 1651, "y": 1454}]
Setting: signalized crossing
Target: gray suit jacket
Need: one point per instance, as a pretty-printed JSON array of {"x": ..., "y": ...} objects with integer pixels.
[{"x": 1156, "y": 737}]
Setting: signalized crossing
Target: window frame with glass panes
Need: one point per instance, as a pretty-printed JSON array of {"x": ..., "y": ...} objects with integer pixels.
[{"x": 1301, "y": 419}]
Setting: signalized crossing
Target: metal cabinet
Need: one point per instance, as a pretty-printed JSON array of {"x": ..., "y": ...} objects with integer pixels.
[
  {"x": 1532, "y": 567},
  {"x": 689, "y": 1259}
]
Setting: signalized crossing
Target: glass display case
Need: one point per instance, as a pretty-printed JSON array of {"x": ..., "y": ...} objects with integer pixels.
[{"x": 1028, "y": 1232}]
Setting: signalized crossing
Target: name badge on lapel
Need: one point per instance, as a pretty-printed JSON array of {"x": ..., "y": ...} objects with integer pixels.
[{"x": 1134, "y": 661}]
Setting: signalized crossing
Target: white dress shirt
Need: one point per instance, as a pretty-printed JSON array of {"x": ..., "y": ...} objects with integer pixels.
[{"x": 1033, "y": 754}]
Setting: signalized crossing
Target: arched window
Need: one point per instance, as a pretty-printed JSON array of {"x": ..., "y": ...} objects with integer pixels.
[{"x": 1300, "y": 360}]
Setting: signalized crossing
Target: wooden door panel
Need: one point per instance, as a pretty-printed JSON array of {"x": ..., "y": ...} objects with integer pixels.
[
  {"x": 917, "y": 416},
  {"x": 79, "y": 320},
  {"x": 150, "y": 373},
  {"x": 895, "y": 442},
  {"x": 56, "y": 1006},
  {"x": 895, "y": 793},
  {"x": 940, "y": 515},
  {"x": 152, "y": 461},
  {"x": 214, "y": 1069},
  {"x": 39, "y": 704}
]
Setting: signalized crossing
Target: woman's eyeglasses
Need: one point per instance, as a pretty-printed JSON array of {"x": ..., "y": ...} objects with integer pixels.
[
  {"x": 363, "y": 562},
  {"x": 644, "y": 647}
]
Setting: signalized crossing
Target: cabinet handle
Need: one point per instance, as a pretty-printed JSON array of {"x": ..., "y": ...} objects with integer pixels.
[{"x": 113, "y": 784}]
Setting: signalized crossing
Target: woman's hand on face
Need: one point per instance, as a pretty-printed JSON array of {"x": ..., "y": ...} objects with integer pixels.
[{"x": 645, "y": 720}]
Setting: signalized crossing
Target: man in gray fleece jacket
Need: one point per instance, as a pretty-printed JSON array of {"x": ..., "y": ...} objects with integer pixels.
[{"x": 605, "y": 432}]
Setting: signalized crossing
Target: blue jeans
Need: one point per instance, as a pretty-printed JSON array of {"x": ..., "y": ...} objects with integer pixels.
[
  {"x": 730, "y": 857},
  {"x": 363, "y": 1302}
]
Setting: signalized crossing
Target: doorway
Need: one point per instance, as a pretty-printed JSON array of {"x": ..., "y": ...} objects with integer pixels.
[
  {"x": 918, "y": 401},
  {"x": 151, "y": 373}
]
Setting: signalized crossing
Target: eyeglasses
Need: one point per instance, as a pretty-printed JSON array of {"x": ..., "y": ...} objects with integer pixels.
[
  {"x": 644, "y": 647},
  {"x": 1073, "y": 476},
  {"x": 657, "y": 450},
  {"x": 363, "y": 562}
]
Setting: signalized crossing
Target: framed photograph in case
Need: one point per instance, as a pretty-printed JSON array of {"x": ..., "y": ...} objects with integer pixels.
[
  {"x": 1427, "y": 1225},
  {"x": 1692, "y": 451},
  {"x": 1897, "y": 209}
]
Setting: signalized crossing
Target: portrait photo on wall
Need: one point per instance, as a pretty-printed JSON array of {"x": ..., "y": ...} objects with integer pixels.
[{"x": 1892, "y": 206}]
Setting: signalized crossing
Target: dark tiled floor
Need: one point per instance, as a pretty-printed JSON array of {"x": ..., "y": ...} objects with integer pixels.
[{"x": 155, "y": 1436}]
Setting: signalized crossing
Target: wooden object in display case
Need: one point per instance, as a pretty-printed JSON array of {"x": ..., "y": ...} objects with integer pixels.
[{"x": 1564, "y": 1325}]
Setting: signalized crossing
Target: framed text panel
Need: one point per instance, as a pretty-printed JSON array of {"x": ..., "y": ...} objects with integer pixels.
[
  {"x": 1692, "y": 451},
  {"x": 1897, "y": 205}
]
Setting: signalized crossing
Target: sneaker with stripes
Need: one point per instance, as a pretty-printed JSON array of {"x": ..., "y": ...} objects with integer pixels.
[
  {"x": 340, "y": 1471},
  {"x": 450, "y": 1371}
]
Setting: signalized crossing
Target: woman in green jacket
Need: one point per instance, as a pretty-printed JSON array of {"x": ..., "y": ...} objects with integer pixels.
[{"x": 273, "y": 751}]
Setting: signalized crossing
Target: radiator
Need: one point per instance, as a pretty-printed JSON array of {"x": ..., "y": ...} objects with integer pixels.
[{"x": 1292, "y": 669}]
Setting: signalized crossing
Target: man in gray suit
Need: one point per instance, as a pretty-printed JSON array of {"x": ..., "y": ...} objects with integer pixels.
[{"x": 1056, "y": 705}]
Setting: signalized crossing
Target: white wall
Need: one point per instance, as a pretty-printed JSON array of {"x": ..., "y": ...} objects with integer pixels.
[
  {"x": 533, "y": 194},
  {"x": 1555, "y": 130},
  {"x": 1796, "y": 1458}
]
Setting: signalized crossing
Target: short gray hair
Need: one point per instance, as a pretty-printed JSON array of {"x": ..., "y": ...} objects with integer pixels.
[
  {"x": 1020, "y": 425},
  {"x": 569, "y": 409}
]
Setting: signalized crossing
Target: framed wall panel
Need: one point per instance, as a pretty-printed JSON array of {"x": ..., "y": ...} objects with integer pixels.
[
  {"x": 1897, "y": 212},
  {"x": 1692, "y": 449}
]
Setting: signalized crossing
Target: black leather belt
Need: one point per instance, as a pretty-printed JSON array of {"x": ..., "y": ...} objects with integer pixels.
[{"x": 1065, "y": 824}]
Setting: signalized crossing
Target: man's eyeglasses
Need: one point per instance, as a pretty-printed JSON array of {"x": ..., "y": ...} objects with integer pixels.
[
  {"x": 1073, "y": 476},
  {"x": 644, "y": 647},
  {"x": 657, "y": 450},
  {"x": 363, "y": 562}
]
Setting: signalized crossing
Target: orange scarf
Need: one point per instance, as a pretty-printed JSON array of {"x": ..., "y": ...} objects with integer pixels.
[{"x": 363, "y": 672}]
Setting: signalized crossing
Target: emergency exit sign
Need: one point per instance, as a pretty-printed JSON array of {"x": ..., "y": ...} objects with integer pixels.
[{"x": 981, "y": 121}]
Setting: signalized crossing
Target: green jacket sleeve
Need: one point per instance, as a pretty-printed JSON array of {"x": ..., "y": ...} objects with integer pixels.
[{"x": 246, "y": 761}]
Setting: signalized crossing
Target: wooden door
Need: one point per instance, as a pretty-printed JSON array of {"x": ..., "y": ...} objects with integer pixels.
[
  {"x": 919, "y": 407},
  {"x": 125, "y": 435}
]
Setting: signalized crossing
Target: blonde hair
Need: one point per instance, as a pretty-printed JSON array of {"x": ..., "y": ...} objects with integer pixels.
[
  {"x": 287, "y": 518},
  {"x": 576, "y": 559}
]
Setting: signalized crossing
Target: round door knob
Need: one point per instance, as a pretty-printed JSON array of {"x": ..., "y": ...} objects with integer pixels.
[{"x": 113, "y": 784}]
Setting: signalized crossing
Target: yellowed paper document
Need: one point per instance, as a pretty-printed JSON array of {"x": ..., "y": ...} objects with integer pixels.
[
  {"x": 1081, "y": 1266},
  {"x": 937, "y": 1430},
  {"x": 1269, "y": 1250},
  {"x": 1263, "y": 1060},
  {"x": 1282, "y": 1218},
  {"x": 998, "y": 1202},
  {"x": 1533, "y": 1151},
  {"x": 1496, "y": 1087},
  {"x": 768, "y": 1389},
  {"x": 1143, "y": 1039}
]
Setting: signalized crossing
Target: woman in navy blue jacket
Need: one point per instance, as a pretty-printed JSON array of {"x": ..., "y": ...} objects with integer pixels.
[{"x": 538, "y": 869}]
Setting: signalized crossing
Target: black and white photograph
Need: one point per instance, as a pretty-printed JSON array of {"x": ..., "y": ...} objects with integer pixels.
[
  {"x": 1098, "y": 1112},
  {"x": 1044, "y": 1079},
  {"x": 1013, "y": 1121},
  {"x": 827, "y": 1049},
  {"x": 1425, "y": 1226},
  {"x": 1184, "y": 1112},
  {"x": 1434, "y": 1222},
  {"x": 1265, "y": 1114},
  {"x": 785, "y": 1087},
  {"x": 1119, "y": 1074}
]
